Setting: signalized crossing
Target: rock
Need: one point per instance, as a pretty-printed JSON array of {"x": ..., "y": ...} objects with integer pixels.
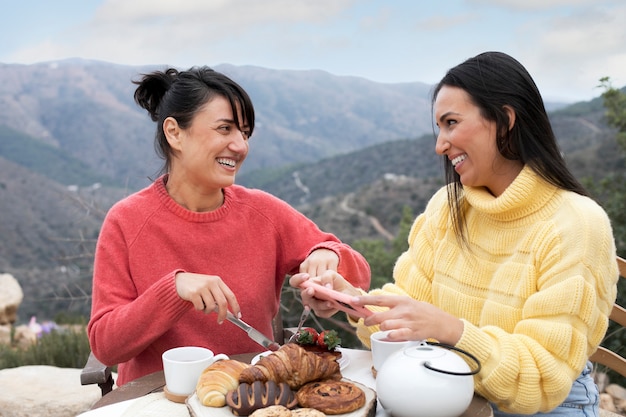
[
  {"x": 5, "y": 334},
  {"x": 44, "y": 391},
  {"x": 11, "y": 297}
]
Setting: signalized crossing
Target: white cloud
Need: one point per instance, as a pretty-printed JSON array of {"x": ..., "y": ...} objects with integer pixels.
[
  {"x": 232, "y": 15},
  {"x": 576, "y": 50},
  {"x": 533, "y": 5},
  {"x": 149, "y": 31},
  {"x": 567, "y": 45}
]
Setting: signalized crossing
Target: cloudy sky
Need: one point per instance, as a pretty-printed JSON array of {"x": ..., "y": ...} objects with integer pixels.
[{"x": 567, "y": 45}]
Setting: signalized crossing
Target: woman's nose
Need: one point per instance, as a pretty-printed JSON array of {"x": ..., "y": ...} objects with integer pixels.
[
  {"x": 442, "y": 145},
  {"x": 239, "y": 140}
]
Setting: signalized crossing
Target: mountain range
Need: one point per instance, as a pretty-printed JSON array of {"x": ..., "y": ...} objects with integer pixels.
[{"x": 348, "y": 152}]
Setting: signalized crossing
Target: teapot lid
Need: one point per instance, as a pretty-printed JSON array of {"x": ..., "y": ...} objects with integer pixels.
[{"x": 424, "y": 351}]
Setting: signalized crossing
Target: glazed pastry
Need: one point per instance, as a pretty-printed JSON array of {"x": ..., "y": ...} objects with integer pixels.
[
  {"x": 293, "y": 365},
  {"x": 217, "y": 379},
  {"x": 331, "y": 397},
  {"x": 248, "y": 398}
]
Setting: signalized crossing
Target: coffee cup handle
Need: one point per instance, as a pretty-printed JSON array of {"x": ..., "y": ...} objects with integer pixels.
[{"x": 219, "y": 357}]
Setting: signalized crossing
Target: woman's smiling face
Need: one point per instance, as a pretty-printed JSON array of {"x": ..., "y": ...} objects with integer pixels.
[{"x": 469, "y": 142}]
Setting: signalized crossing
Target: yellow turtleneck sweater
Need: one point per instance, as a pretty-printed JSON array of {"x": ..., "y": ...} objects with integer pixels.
[{"x": 534, "y": 288}]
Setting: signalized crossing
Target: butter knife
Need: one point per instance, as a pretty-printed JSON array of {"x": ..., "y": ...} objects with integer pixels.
[{"x": 253, "y": 333}]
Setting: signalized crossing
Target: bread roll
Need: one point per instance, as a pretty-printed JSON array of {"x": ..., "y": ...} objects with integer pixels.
[{"x": 217, "y": 379}]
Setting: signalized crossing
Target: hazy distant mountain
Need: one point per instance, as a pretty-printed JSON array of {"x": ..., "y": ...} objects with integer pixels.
[
  {"x": 348, "y": 152},
  {"x": 86, "y": 110}
]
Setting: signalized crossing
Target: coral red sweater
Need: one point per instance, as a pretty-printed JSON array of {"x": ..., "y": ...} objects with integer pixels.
[{"x": 251, "y": 242}]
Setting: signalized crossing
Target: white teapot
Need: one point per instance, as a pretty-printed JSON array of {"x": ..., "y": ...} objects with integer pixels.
[{"x": 426, "y": 380}]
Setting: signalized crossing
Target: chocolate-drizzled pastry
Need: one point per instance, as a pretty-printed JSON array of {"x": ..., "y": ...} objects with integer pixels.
[{"x": 250, "y": 397}]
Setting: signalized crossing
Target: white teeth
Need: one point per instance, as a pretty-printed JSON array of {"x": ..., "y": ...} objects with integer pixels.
[
  {"x": 230, "y": 162},
  {"x": 458, "y": 159}
]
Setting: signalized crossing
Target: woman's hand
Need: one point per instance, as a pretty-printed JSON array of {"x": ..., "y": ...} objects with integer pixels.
[
  {"x": 410, "y": 319},
  {"x": 330, "y": 279},
  {"x": 207, "y": 293},
  {"x": 320, "y": 261}
]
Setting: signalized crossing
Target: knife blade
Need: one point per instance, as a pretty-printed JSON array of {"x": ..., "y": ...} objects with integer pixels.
[{"x": 253, "y": 333}]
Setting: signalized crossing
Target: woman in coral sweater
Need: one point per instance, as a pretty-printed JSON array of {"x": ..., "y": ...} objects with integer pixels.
[
  {"x": 511, "y": 261},
  {"x": 173, "y": 258}
]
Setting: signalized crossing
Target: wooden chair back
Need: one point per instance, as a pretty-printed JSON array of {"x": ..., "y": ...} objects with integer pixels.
[{"x": 604, "y": 356}]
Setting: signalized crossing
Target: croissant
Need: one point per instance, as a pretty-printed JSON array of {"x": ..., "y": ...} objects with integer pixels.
[
  {"x": 293, "y": 365},
  {"x": 217, "y": 379}
]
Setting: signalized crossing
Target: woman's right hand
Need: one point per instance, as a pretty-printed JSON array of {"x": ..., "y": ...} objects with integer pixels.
[{"x": 207, "y": 293}]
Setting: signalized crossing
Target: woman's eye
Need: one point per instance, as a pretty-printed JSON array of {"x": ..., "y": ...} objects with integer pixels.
[{"x": 450, "y": 122}]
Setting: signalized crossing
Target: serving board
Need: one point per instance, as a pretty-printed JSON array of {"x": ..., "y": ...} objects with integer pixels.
[{"x": 196, "y": 409}]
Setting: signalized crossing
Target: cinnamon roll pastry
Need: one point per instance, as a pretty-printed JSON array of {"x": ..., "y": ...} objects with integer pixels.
[{"x": 331, "y": 397}]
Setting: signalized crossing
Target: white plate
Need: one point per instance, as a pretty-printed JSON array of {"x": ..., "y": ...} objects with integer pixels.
[
  {"x": 343, "y": 361},
  {"x": 259, "y": 356}
]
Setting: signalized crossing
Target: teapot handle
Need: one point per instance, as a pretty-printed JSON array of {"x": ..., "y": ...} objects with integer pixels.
[{"x": 456, "y": 349}]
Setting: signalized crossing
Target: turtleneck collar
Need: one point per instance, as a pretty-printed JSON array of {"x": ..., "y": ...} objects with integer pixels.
[{"x": 526, "y": 194}]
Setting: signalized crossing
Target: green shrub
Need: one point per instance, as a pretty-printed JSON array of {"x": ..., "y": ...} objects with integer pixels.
[{"x": 65, "y": 348}]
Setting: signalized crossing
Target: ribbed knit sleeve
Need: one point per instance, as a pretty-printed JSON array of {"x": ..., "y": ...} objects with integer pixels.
[{"x": 534, "y": 286}]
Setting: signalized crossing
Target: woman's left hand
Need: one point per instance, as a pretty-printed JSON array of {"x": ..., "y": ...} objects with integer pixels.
[
  {"x": 410, "y": 319},
  {"x": 320, "y": 261},
  {"x": 329, "y": 279}
]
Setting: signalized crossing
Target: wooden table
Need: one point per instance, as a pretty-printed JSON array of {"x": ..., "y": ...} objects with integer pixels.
[{"x": 156, "y": 381}]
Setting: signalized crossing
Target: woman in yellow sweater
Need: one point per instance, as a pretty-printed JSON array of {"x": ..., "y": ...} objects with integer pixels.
[{"x": 512, "y": 261}]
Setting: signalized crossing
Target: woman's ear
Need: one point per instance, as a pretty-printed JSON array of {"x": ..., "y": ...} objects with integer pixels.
[
  {"x": 172, "y": 132},
  {"x": 510, "y": 111}
]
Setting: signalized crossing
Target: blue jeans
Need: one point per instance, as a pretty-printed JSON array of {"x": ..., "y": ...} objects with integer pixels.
[{"x": 582, "y": 401}]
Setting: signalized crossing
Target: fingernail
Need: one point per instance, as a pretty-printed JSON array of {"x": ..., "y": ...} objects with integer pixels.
[{"x": 239, "y": 315}]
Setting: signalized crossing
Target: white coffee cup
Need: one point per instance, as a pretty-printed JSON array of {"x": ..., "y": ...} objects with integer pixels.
[
  {"x": 382, "y": 348},
  {"x": 183, "y": 366}
]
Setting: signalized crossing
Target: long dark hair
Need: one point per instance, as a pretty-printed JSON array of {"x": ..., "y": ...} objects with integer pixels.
[
  {"x": 180, "y": 94},
  {"x": 494, "y": 80}
]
